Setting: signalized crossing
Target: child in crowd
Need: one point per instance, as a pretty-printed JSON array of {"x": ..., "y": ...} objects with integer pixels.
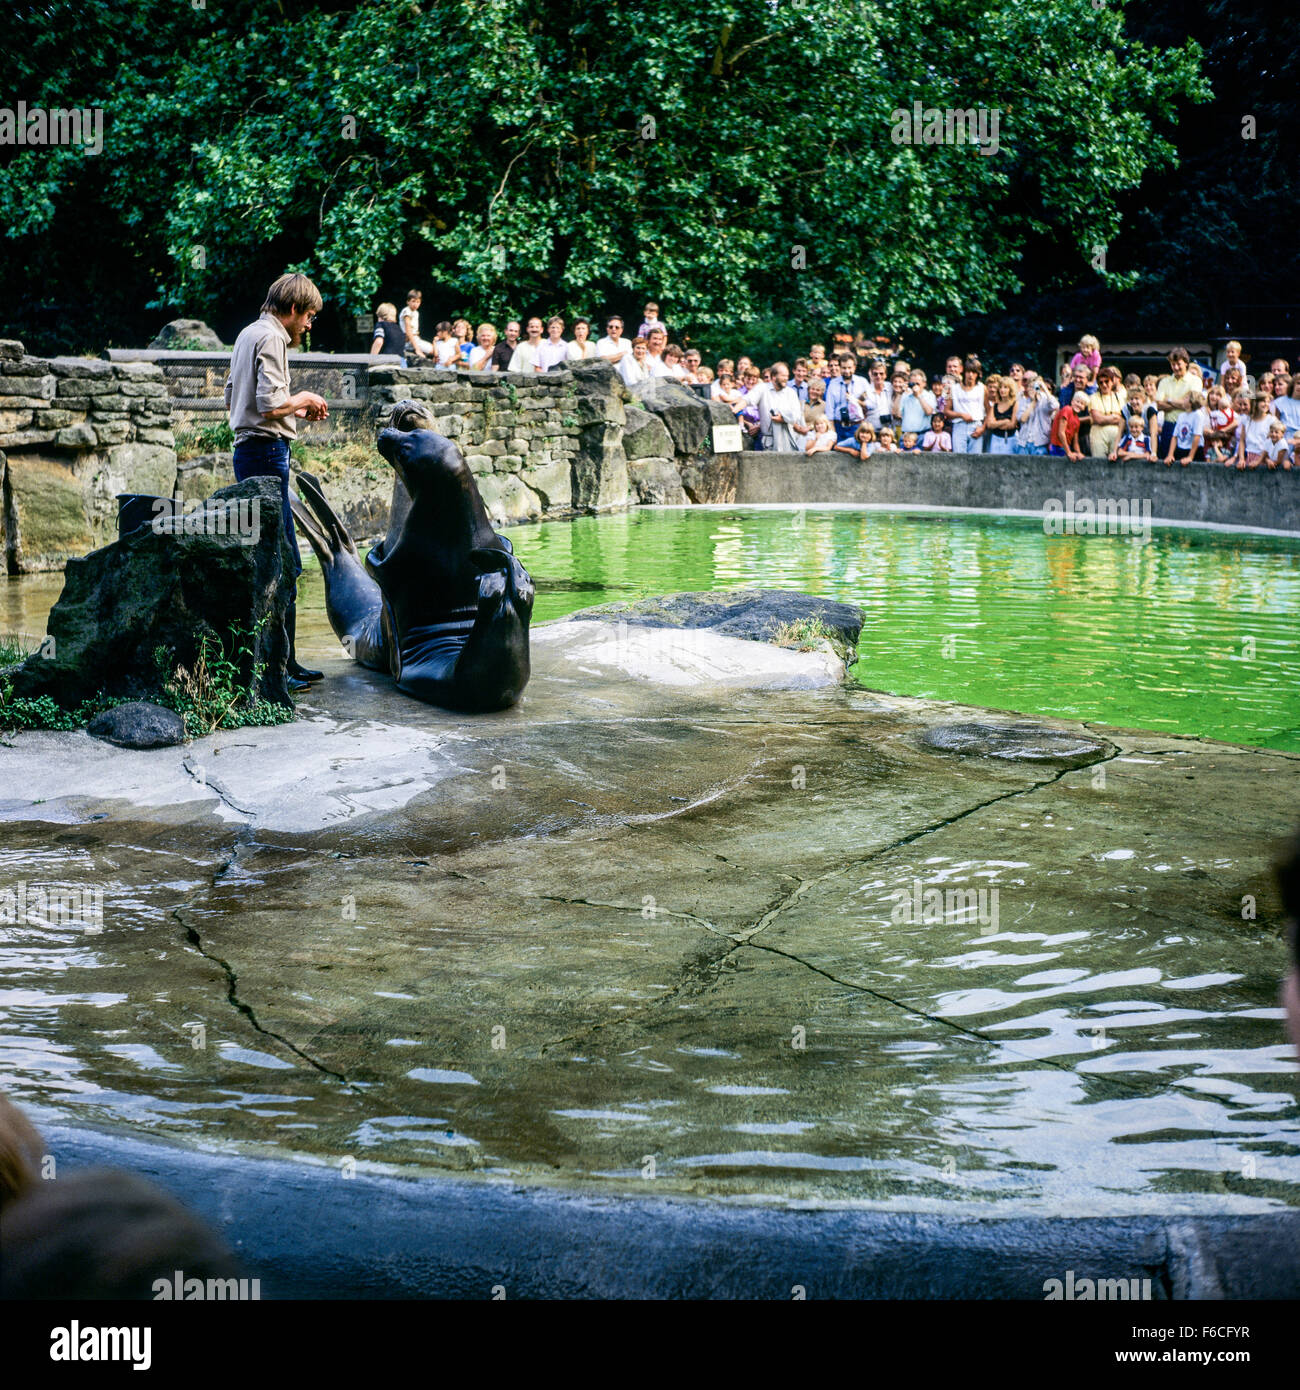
[
  {"x": 1221, "y": 436},
  {"x": 1065, "y": 434},
  {"x": 911, "y": 443},
  {"x": 388, "y": 336},
  {"x": 1277, "y": 450},
  {"x": 887, "y": 445},
  {"x": 651, "y": 320},
  {"x": 1252, "y": 438},
  {"x": 816, "y": 356},
  {"x": 1189, "y": 433},
  {"x": 936, "y": 440},
  {"x": 1088, "y": 356},
  {"x": 704, "y": 375},
  {"x": 409, "y": 322},
  {"x": 821, "y": 438},
  {"x": 1134, "y": 444},
  {"x": 724, "y": 389},
  {"x": 445, "y": 348},
  {"x": 862, "y": 445}
]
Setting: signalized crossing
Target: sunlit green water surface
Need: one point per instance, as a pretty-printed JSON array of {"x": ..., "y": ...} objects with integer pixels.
[{"x": 1194, "y": 632}]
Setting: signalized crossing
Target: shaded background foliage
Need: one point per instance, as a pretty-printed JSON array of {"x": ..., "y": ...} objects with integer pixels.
[{"x": 582, "y": 156}]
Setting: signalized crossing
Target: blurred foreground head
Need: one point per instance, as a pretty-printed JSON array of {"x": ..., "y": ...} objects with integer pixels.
[{"x": 92, "y": 1233}]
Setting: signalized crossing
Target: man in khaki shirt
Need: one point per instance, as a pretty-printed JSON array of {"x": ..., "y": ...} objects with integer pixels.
[{"x": 264, "y": 413}]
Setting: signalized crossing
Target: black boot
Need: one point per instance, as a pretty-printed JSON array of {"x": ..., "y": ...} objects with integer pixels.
[{"x": 299, "y": 677}]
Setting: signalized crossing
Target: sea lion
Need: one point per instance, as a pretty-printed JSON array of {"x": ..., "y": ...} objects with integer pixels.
[{"x": 441, "y": 602}]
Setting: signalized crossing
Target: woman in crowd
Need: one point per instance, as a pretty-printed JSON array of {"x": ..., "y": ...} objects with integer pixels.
[
  {"x": 1000, "y": 418},
  {"x": 1287, "y": 409},
  {"x": 581, "y": 349},
  {"x": 967, "y": 409},
  {"x": 633, "y": 369},
  {"x": 481, "y": 358},
  {"x": 463, "y": 335},
  {"x": 1105, "y": 415}
]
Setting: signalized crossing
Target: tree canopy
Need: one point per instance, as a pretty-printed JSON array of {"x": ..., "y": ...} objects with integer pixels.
[{"x": 735, "y": 159}]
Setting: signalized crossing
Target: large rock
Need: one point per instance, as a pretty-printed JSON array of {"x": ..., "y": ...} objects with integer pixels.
[
  {"x": 711, "y": 479},
  {"x": 686, "y": 416},
  {"x": 213, "y": 573},
  {"x": 655, "y": 482},
  {"x": 138, "y": 724},
  {"x": 753, "y": 614},
  {"x": 192, "y": 334},
  {"x": 645, "y": 436},
  {"x": 507, "y": 499}
]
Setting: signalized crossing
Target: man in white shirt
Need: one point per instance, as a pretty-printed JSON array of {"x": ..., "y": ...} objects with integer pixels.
[
  {"x": 614, "y": 345},
  {"x": 656, "y": 341},
  {"x": 527, "y": 355},
  {"x": 780, "y": 413},
  {"x": 554, "y": 352}
]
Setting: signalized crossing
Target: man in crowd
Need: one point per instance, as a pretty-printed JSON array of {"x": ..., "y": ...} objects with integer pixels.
[
  {"x": 914, "y": 406},
  {"x": 656, "y": 342},
  {"x": 554, "y": 352},
  {"x": 264, "y": 414},
  {"x": 1173, "y": 392},
  {"x": 845, "y": 398},
  {"x": 878, "y": 397},
  {"x": 614, "y": 346},
  {"x": 780, "y": 413},
  {"x": 505, "y": 350},
  {"x": 527, "y": 356}
]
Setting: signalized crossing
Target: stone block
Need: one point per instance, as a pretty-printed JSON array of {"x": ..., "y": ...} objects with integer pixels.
[
  {"x": 27, "y": 383},
  {"x": 113, "y": 432},
  {"x": 655, "y": 481},
  {"x": 48, "y": 512},
  {"x": 14, "y": 420},
  {"x": 54, "y": 419},
  {"x": 79, "y": 436},
  {"x": 553, "y": 483},
  {"x": 508, "y": 500},
  {"x": 80, "y": 368},
  {"x": 11, "y": 350}
]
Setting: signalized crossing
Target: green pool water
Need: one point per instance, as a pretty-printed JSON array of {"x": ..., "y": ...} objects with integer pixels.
[{"x": 1194, "y": 632}]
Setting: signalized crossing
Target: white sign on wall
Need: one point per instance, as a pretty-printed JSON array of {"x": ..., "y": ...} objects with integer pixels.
[{"x": 726, "y": 439}]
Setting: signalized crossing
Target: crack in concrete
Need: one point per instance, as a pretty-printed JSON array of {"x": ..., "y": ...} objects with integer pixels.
[
  {"x": 197, "y": 772},
  {"x": 192, "y": 937}
]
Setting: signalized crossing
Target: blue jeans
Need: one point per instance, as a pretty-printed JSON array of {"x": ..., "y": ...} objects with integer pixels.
[
  {"x": 962, "y": 443},
  {"x": 267, "y": 456}
]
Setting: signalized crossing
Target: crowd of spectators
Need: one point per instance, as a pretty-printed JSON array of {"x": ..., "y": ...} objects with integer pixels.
[{"x": 853, "y": 400}]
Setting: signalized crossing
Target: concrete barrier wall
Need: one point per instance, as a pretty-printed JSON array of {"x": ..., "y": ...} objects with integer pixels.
[{"x": 1200, "y": 492}]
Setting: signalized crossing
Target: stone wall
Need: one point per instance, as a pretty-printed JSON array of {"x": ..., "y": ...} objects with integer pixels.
[
  {"x": 196, "y": 383},
  {"x": 74, "y": 432}
]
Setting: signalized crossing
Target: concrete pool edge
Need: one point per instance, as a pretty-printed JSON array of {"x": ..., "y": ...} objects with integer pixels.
[{"x": 309, "y": 1232}]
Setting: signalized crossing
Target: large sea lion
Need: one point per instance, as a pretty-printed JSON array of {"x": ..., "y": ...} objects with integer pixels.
[{"x": 441, "y": 602}]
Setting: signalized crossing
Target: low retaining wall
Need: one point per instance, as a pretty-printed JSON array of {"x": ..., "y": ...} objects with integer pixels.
[{"x": 1200, "y": 492}]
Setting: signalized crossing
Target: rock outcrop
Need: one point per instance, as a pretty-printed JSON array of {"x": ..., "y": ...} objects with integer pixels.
[
  {"x": 194, "y": 334},
  {"x": 222, "y": 572}
]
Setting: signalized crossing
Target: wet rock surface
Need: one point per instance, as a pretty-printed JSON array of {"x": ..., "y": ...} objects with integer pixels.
[
  {"x": 1017, "y": 742},
  {"x": 669, "y": 923}
]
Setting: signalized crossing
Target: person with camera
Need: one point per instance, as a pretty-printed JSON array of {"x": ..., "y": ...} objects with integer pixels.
[
  {"x": 846, "y": 397},
  {"x": 1033, "y": 417}
]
